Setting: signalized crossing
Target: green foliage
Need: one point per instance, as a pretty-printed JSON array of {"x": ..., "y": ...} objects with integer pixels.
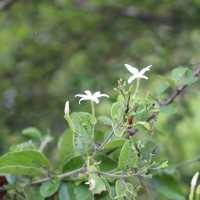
[{"x": 27, "y": 162}]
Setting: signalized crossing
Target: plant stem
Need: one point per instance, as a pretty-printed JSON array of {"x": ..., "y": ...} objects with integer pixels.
[
  {"x": 137, "y": 88},
  {"x": 93, "y": 108},
  {"x": 67, "y": 117}
]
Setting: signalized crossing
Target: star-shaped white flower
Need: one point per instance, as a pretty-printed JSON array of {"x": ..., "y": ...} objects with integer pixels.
[
  {"x": 92, "y": 184},
  {"x": 89, "y": 96},
  {"x": 136, "y": 73}
]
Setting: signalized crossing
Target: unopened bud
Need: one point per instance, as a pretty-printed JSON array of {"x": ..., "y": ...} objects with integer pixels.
[{"x": 67, "y": 108}]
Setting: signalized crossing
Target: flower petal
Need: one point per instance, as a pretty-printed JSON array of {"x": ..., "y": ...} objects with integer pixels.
[
  {"x": 80, "y": 95},
  {"x": 95, "y": 100},
  {"x": 131, "y": 69},
  {"x": 104, "y": 95},
  {"x": 84, "y": 98},
  {"x": 97, "y": 94},
  {"x": 132, "y": 78},
  {"x": 142, "y": 76},
  {"x": 145, "y": 69},
  {"x": 88, "y": 93}
]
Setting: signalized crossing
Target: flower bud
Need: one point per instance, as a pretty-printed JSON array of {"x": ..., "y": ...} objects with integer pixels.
[
  {"x": 67, "y": 108},
  {"x": 194, "y": 179}
]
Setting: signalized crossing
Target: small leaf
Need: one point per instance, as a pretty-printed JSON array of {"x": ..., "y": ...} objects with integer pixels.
[
  {"x": 27, "y": 162},
  {"x": 145, "y": 124},
  {"x": 65, "y": 146},
  {"x": 128, "y": 157},
  {"x": 72, "y": 164},
  {"x": 171, "y": 82},
  {"x": 66, "y": 191},
  {"x": 162, "y": 88},
  {"x": 117, "y": 113},
  {"x": 114, "y": 144},
  {"x": 84, "y": 126},
  {"x": 120, "y": 189},
  {"x": 32, "y": 132},
  {"x": 49, "y": 187},
  {"x": 99, "y": 184},
  {"x": 178, "y": 72},
  {"x": 23, "y": 146},
  {"x": 190, "y": 80},
  {"x": 169, "y": 109},
  {"x": 82, "y": 192},
  {"x": 106, "y": 163},
  {"x": 105, "y": 120}
]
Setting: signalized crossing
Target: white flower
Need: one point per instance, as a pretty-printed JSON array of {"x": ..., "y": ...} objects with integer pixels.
[
  {"x": 89, "y": 96},
  {"x": 66, "y": 108},
  {"x": 136, "y": 73},
  {"x": 194, "y": 179},
  {"x": 92, "y": 184}
]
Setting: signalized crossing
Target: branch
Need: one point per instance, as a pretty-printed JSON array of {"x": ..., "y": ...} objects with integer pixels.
[{"x": 5, "y": 4}]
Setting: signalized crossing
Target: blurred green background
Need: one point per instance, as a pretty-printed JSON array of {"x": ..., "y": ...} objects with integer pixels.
[{"x": 52, "y": 50}]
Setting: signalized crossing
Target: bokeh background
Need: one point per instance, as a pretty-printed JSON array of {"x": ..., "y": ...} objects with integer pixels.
[{"x": 52, "y": 50}]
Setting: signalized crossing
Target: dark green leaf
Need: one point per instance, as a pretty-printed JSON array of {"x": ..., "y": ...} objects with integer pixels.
[
  {"x": 27, "y": 162},
  {"x": 48, "y": 188},
  {"x": 84, "y": 126},
  {"x": 106, "y": 163},
  {"x": 114, "y": 143},
  {"x": 65, "y": 146},
  {"x": 128, "y": 157},
  {"x": 73, "y": 163},
  {"x": 82, "y": 192},
  {"x": 66, "y": 191}
]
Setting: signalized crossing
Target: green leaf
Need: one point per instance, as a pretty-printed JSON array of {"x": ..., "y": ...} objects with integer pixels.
[
  {"x": 72, "y": 164},
  {"x": 162, "y": 88},
  {"x": 106, "y": 163},
  {"x": 190, "y": 80},
  {"x": 66, "y": 191},
  {"x": 145, "y": 124},
  {"x": 169, "y": 80},
  {"x": 32, "y": 132},
  {"x": 84, "y": 126},
  {"x": 23, "y": 146},
  {"x": 178, "y": 72},
  {"x": 128, "y": 157},
  {"x": 65, "y": 146},
  {"x": 169, "y": 109},
  {"x": 115, "y": 144},
  {"x": 105, "y": 120},
  {"x": 33, "y": 192},
  {"x": 27, "y": 162},
  {"x": 82, "y": 192},
  {"x": 170, "y": 194},
  {"x": 120, "y": 189},
  {"x": 99, "y": 184},
  {"x": 48, "y": 188},
  {"x": 117, "y": 114}
]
